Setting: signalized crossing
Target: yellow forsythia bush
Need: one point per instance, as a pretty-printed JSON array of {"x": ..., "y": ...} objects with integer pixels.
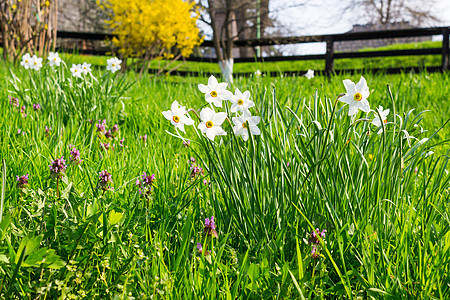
[{"x": 153, "y": 28}]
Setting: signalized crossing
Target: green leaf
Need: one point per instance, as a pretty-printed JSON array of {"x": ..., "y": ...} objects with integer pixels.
[
  {"x": 31, "y": 245},
  {"x": 4, "y": 258},
  {"x": 114, "y": 217},
  {"x": 66, "y": 192},
  {"x": 253, "y": 272}
]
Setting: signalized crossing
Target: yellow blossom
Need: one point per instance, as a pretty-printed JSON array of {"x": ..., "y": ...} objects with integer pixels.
[{"x": 153, "y": 28}]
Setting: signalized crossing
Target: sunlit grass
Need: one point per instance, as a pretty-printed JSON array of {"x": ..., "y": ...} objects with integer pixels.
[{"x": 383, "y": 199}]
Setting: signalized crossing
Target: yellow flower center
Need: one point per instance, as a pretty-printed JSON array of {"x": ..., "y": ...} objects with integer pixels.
[
  {"x": 113, "y": 65},
  {"x": 75, "y": 70},
  {"x": 358, "y": 97},
  {"x": 385, "y": 121},
  {"x": 209, "y": 124},
  {"x": 47, "y": 3},
  {"x": 176, "y": 119},
  {"x": 54, "y": 59},
  {"x": 240, "y": 101},
  {"x": 26, "y": 60},
  {"x": 245, "y": 125},
  {"x": 213, "y": 94},
  {"x": 35, "y": 63}
]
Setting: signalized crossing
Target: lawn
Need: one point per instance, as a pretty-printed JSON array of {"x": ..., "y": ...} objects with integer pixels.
[
  {"x": 206, "y": 68},
  {"x": 379, "y": 196}
]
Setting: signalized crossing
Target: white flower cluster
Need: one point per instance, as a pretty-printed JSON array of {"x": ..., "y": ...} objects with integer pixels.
[
  {"x": 31, "y": 62},
  {"x": 77, "y": 70},
  {"x": 211, "y": 121},
  {"x": 356, "y": 98}
]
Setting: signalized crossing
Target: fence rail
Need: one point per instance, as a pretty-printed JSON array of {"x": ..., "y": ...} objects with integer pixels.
[{"x": 329, "y": 39}]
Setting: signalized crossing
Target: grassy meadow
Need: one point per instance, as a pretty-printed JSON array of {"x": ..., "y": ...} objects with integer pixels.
[
  {"x": 380, "y": 193},
  {"x": 206, "y": 68}
]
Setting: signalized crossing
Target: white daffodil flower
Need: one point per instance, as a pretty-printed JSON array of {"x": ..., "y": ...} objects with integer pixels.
[
  {"x": 36, "y": 63},
  {"x": 86, "y": 68},
  {"x": 356, "y": 96},
  {"x": 76, "y": 70},
  {"x": 377, "y": 121},
  {"x": 211, "y": 122},
  {"x": 215, "y": 92},
  {"x": 244, "y": 123},
  {"x": 113, "y": 64},
  {"x": 26, "y": 60},
  {"x": 54, "y": 59},
  {"x": 177, "y": 116},
  {"x": 309, "y": 74},
  {"x": 241, "y": 101}
]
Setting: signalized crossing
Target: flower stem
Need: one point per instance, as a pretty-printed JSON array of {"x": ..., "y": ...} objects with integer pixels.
[{"x": 57, "y": 187}]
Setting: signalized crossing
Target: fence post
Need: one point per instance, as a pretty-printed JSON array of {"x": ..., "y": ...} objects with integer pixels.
[
  {"x": 445, "y": 49},
  {"x": 329, "y": 63}
]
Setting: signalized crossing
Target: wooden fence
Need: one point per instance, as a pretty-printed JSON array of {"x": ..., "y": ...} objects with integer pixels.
[{"x": 328, "y": 57}]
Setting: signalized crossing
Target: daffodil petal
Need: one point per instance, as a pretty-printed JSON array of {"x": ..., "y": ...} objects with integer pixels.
[
  {"x": 255, "y": 130},
  {"x": 219, "y": 118},
  {"x": 353, "y": 110},
  {"x": 364, "y": 105},
  {"x": 210, "y": 133},
  {"x": 206, "y": 114},
  {"x": 361, "y": 86},
  {"x": 212, "y": 82},
  {"x": 167, "y": 114},
  {"x": 225, "y": 94},
  {"x": 202, "y": 126},
  {"x": 222, "y": 86},
  {"x": 349, "y": 87},
  {"x": 204, "y": 89}
]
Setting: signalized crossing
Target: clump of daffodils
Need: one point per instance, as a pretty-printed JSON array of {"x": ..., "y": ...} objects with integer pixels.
[
  {"x": 356, "y": 98},
  {"x": 77, "y": 70},
  {"x": 211, "y": 121}
]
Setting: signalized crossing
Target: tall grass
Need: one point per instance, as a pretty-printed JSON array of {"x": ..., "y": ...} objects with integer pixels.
[{"x": 383, "y": 198}]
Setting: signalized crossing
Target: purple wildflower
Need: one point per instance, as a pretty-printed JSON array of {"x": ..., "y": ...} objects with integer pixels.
[
  {"x": 109, "y": 134},
  {"x": 22, "y": 181},
  {"x": 101, "y": 126},
  {"x": 206, "y": 182},
  {"x": 192, "y": 160},
  {"x": 105, "y": 146},
  {"x": 315, "y": 253},
  {"x": 14, "y": 101},
  {"x": 115, "y": 128},
  {"x": 75, "y": 155},
  {"x": 121, "y": 143},
  {"x": 314, "y": 236},
  {"x": 19, "y": 131},
  {"x": 47, "y": 131},
  {"x": 104, "y": 179},
  {"x": 196, "y": 170},
  {"x": 186, "y": 144},
  {"x": 22, "y": 111},
  {"x": 58, "y": 167},
  {"x": 288, "y": 164},
  {"x": 36, "y": 106},
  {"x": 199, "y": 247},
  {"x": 416, "y": 169},
  {"x": 146, "y": 184},
  {"x": 144, "y": 138},
  {"x": 210, "y": 227}
]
